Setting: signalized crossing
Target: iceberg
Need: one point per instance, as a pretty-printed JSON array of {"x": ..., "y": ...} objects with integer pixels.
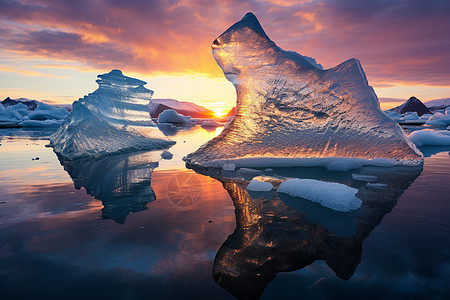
[
  {"x": 170, "y": 116},
  {"x": 47, "y": 112},
  {"x": 427, "y": 137},
  {"x": 290, "y": 110},
  {"x": 112, "y": 119}
]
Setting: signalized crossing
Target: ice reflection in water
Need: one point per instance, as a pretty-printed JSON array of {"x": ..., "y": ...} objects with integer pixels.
[
  {"x": 122, "y": 182},
  {"x": 278, "y": 233}
]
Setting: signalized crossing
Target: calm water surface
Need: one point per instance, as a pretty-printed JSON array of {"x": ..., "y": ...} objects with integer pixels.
[{"x": 133, "y": 226}]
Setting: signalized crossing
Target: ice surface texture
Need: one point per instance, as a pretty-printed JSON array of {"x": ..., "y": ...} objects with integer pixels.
[
  {"x": 288, "y": 108},
  {"x": 112, "y": 119}
]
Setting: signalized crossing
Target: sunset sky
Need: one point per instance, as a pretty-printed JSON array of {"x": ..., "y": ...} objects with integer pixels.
[{"x": 53, "y": 49}]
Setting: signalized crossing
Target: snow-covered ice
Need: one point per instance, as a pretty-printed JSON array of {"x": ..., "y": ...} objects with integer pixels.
[
  {"x": 439, "y": 119},
  {"x": 333, "y": 195},
  {"x": 259, "y": 186},
  {"x": 112, "y": 119},
  {"x": 9, "y": 114},
  {"x": 288, "y": 109},
  {"x": 48, "y": 112},
  {"x": 171, "y": 116},
  {"x": 428, "y": 137}
]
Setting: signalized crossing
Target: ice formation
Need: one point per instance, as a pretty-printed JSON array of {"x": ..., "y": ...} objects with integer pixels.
[
  {"x": 259, "y": 186},
  {"x": 171, "y": 116},
  {"x": 30, "y": 113},
  {"x": 114, "y": 118},
  {"x": 287, "y": 108},
  {"x": 333, "y": 195},
  {"x": 427, "y": 137}
]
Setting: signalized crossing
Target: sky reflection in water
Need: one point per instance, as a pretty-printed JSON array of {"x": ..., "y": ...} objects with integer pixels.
[{"x": 58, "y": 241}]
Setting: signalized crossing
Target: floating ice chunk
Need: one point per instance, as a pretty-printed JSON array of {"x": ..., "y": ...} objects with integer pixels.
[
  {"x": 439, "y": 119},
  {"x": 288, "y": 108},
  {"x": 211, "y": 123},
  {"x": 166, "y": 155},
  {"x": 112, "y": 119},
  {"x": 425, "y": 116},
  {"x": 259, "y": 186},
  {"x": 411, "y": 116},
  {"x": 44, "y": 123},
  {"x": 45, "y": 112},
  {"x": 333, "y": 195},
  {"x": 9, "y": 114},
  {"x": 248, "y": 171},
  {"x": 361, "y": 177},
  {"x": 427, "y": 137},
  {"x": 21, "y": 108},
  {"x": 229, "y": 167},
  {"x": 171, "y": 116},
  {"x": 393, "y": 114},
  {"x": 377, "y": 186}
]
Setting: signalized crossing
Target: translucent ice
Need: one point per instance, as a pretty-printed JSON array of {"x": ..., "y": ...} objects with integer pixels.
[
  {"x": 333, "y": 195},
  {"x": 289, "y": 109},
  {"x": 427, "y": 137},
  {"x": 112, "y": 119}
]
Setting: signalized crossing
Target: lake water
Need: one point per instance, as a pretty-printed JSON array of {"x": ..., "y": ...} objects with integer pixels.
[{"x": 133, "y": 226}]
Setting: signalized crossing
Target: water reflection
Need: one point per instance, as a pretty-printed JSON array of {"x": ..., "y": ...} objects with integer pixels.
[
  {"x": 122, "y": 182},
  {"x": 278, "y": 233}
]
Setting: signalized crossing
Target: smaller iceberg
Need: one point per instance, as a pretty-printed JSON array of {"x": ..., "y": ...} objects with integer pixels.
[
  {"x": 172, "y": 117},
  {"x": 112, "y": 119}
]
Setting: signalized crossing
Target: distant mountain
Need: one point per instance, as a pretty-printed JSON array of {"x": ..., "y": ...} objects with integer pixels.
[
  {"x": 437, "y": 104},
  {"x": 412, "y": 105},
  {"x": 31, "y": 104},
  {"x": 231, "y": 112},
  {"x": 157, "y": 106}
]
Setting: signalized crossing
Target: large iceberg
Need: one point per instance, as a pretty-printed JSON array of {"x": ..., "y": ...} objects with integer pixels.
[
  {"x": 289, "y": 110},
  {"x": 112, "y": 119}
]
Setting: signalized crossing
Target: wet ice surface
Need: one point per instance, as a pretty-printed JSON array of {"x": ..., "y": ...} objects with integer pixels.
[
  {"x": 291, "y": 112},
  {"x": 112, "y": 119},
  {"x": 55, "y": 239}
]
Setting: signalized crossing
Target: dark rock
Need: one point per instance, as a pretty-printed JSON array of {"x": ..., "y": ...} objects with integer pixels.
[{"x": 412, "y": 105}]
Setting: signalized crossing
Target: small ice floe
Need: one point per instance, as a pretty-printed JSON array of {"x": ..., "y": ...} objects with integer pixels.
[
  {"x": 333, "y": 195},
  {"x": 259, "y": 186},
  {"x": 171, "y": 116},
  {"x": 166, "y": 155},
  {"x": 427, "y": 137},
  {"x": 439, "y": 119},
  {"x": 268, "y": 170},
  {"x": 249, "y": 171},
  {"x": 229, "y": 167},
  {"x": 377, "y": 186},
  {"x": 366, "y": 178}
]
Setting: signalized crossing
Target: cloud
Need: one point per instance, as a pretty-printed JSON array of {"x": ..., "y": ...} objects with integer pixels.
[{"x": 399, "y": 42}]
